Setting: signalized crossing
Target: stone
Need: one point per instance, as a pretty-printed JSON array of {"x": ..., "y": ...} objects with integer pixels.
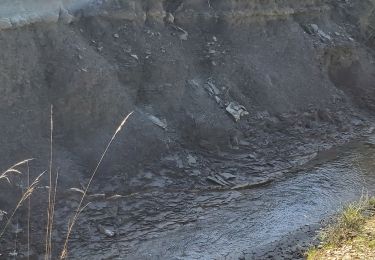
[
  {"x": 169, "y": 18},
  {"x": 2, "y": 214},
  {"x": 134, "y": 56},
  {"x": 50, "y": 17},
  {"x": 65, "y": 17},
  {"x": 236, "y": 110},
  {"x": 5, "y": 24},
  {"x": 314, "y": 27},
  {"x": 33, "y": 18},
  {"x": 158, "y": 122},
  {"x": 218, "y": 180},
  {"x": 356, "y": 122},
  {"x": 106, "y": 231},
  {"x": 191, "y": 160},
  {"x": 184, "y": 36},
  {"x": 227, "y": 175},
  {"x": 18, "y": 21},
  {"x": 212, "y": 89},
  {"x": 324, "y": 35}
]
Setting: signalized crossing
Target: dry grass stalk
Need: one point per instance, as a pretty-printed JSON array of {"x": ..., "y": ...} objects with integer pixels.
[
  {"x": 29, "y": 191},
  {"x": 6, "y": 176},
  {"x": 64, "y": 253},
  {"x": 51, "y": 196},
  {"x": 13, "y": 170},
  {"x": 28, "y": 212}
]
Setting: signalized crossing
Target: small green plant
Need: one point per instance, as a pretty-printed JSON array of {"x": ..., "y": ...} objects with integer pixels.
[
  {"x": 346, "y": 227},
  {"x": 347, "y": 224},
  {"x": 311, "y": 253},
  {"x": 371, "y": 202}
]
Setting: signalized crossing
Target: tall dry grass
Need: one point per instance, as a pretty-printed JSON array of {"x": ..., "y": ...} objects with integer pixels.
[
  {"x": 5, "y": 175},
  {"x": 81, "y": 207},
  {"x": 52, "y": 180},
  {"x": 29, "y": 191},
  {"x": 25, "y": 196},
  {"x": 28, "y": 212},
  {"x": 52, "y": 191}
]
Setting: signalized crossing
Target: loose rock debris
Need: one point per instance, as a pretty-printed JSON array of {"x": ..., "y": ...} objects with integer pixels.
[
  {"x": 158, "y": 122},
  {"x": 106, "y": 231},
  {"x": 227, "y": 175},
  {"x": 218, "y": 180},
  {"x": 2, "y": 214},
  {"x": 233, "y": 108},
  {"x": 314, "y": 29},
  {"x": 236, "y": 110},
  {"x": 191, "y": 160},
  {"x": 212, "y": 89},
  {"x": 169, "y": 18},
  {"x": 183, "y": 33},
  {"x": 134, "y": 56}
]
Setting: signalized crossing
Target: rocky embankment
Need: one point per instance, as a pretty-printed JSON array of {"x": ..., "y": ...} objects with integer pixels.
[{"x": 228, "y": 96}]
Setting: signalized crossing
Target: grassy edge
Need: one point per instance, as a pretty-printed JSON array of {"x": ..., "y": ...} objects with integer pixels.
[{"x": 346, "y": 226}]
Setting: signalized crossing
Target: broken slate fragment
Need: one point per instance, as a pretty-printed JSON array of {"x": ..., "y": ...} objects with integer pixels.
[
  {"x": 236, "y": 110},
  {"x": 106, "y": 231},
  {"x": 323, "y": 35},
  {"x": 179, "y": 163},
  {"x": 314, "y": 27},
  {"x": 227, "y": 175},
  {"x": 218, "y": 180},
  {"x": 134, "y": 56},
  {"x": 2, "y": 214},
  {"x": 169, "y": 18},
  {"x": 158, "y": 122},
  {"x": 212, "y": 89},
  {"x": 184, "y": 36},
  {"x": 65, "y": 17},
  {"x": 5, "y": 23},
  {"x": 191, "y": 160},
  {"x": 218, "y": 100}
]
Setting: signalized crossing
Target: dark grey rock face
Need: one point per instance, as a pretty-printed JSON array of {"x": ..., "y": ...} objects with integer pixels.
[{"x": 246, "y": 88}]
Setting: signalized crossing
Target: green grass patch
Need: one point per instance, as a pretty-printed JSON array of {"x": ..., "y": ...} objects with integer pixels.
[{"x": 348, "y": 224}]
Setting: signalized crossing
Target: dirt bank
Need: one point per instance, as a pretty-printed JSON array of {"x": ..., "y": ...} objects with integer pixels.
[{"x": 228, "y": 95}]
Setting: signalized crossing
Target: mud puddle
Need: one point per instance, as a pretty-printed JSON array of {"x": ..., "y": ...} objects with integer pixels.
[{"x": 270, "y": 221}]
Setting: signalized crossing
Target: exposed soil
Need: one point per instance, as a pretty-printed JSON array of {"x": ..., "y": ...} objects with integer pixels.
[{"x": 194, "y": 182}]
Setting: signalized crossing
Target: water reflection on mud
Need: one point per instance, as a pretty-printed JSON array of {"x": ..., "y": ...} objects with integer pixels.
[{"x": 227, "y": 223}]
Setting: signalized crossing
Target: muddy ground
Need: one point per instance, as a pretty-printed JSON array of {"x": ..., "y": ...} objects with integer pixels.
[{"x": 185, "y": 167}]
